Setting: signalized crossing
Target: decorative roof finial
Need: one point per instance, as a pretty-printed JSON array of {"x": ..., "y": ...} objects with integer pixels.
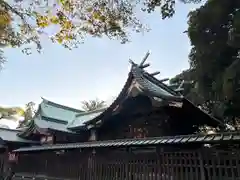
[
  {"x": 155, "y": 73},
  {"x": 163, "y": 80},
  {"x": 142, "y": 65},
  {"x": 144, "y": 59}
]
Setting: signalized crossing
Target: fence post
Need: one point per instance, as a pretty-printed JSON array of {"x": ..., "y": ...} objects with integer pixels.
[{"x": 202, "y": 171}]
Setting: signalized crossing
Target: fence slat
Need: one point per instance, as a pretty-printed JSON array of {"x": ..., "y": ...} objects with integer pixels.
[{"x": 122, "y": 165}]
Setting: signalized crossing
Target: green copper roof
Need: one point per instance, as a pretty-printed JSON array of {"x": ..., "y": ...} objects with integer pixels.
[
  {"x": 42, "y": 122},
  {"x": 10, "y": 135},
  {"x": 51, "y": 115},
  {"x": 59, "y": 112},
  {"x": 82, "y": 118}
]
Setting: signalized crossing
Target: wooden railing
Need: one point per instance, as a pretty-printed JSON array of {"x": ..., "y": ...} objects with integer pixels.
[{"x": 109, "y": 164}]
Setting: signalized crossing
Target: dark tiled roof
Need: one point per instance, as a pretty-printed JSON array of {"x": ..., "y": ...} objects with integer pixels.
[
  {"x": 196, "y": 138},
  {"x": 153, "y": 86},
  {"x": 148, "y": 83}
]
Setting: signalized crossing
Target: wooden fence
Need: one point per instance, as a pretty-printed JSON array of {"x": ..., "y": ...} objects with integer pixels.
[
  {"x": 2, "y": 164},
  {"x": 204, "y": 164}
]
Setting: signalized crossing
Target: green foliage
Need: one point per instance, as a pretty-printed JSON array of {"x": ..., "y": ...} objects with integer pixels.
[
  {"x": 28, "y": 114},
  {"x": 23, "y": 22},
  {"x": 9, "y": 111},
  {"x": 211, "y": 31},
  {"x": 214, "y": 32},
  {"x": 187, "y": 75}
]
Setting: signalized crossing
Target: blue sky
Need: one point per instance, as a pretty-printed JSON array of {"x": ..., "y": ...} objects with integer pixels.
[{"x": 98, "y": 68}]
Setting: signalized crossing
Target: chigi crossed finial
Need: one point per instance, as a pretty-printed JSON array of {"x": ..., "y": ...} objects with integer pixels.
[{"x": 144, "y": 65}]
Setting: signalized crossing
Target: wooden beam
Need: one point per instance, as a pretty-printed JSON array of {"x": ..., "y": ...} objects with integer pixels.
[
  {"x": 144, "y": 59},
  {"x": 145, "y": 65},
  {"x": 131, "y": 62},
  {"x": 163, "y": 80},
  {"x": 155, "y": 73},
  {"x": 178, "y": 89},
  {"x": 181, "y": 85}
]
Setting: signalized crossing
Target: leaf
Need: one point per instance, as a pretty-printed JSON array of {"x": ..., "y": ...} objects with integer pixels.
[
  {"x": 72, "y": 16},
  {"x": 42, "y": 21},
  {"x": 54, "y": 20},
  {"x": 89, "y": 9},
  {"x": 59, "y": 39},
  {"x": 5, "y": 18},
  {"x": 96, "y": 15},
  {"x": 67, "y": 25}
]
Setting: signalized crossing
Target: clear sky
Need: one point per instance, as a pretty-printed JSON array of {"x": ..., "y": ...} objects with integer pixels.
[{"x": 98, "y": 68}]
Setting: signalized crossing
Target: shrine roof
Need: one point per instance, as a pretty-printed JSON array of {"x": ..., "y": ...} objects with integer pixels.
[
  {"x": 45, "y": 123},
  {"x": 168, "y": 140},
  {"x": 51, "y": 115},
  {"x": 81, "y": 118},
  {"x": 10, "y": 135},
  {"x": 147, "y": 84},
  {"x": 62, "y": 118},
  {"x": 58, "y": 112}
]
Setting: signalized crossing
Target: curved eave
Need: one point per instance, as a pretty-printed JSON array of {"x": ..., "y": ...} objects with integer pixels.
[
  {"x": 80, "y": 119},
  {"x": 43, "y": 125},
  {"x": 153, "y": 89},
  {"x": 116, "y": 102}
]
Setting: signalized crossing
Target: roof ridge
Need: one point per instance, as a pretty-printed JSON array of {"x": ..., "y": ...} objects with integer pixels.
[{"x": 61, "y": 105}]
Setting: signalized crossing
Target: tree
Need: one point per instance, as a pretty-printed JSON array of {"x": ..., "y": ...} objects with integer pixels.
[
  {"x": 211, "y": 31},
  {"x": 214, "y": 32},
  {"x": 6, "y": 112},
  {"x": 93, "y": 105},
  {"x": 22, "y": 22},
  {"x": 190, "y": 87},
  {"x": 28, "y": 114}
]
